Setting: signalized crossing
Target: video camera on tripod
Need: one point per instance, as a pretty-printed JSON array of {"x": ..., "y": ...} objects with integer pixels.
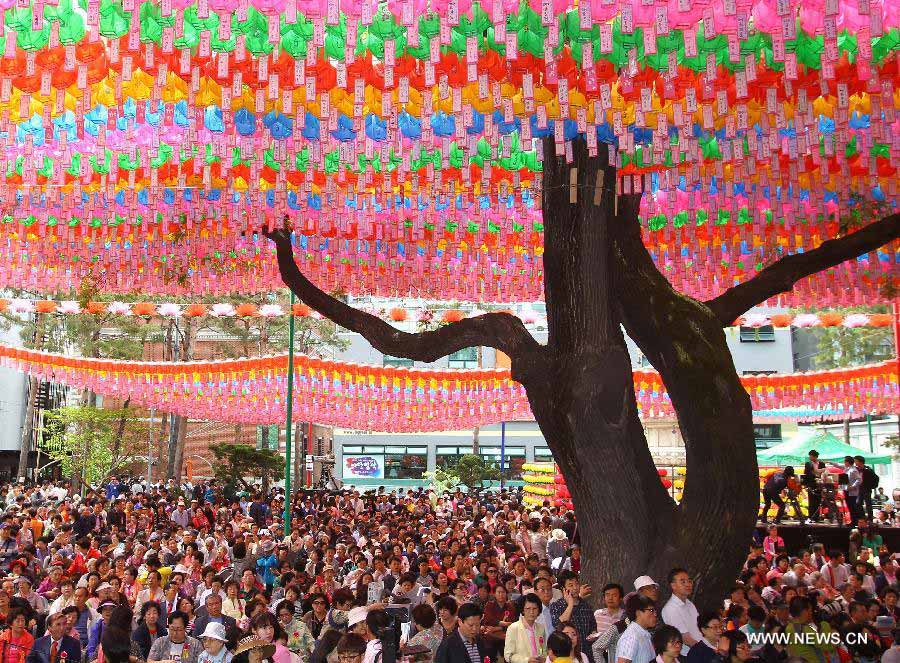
[{"x": 390, "y": 629}]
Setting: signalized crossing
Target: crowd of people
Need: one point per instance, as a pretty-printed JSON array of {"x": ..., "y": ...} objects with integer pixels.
[{"x": 180, "y": 574}]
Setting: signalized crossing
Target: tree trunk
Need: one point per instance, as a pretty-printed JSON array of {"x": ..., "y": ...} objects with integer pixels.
[
  {"x": 581, "y": 393},
  {"x": 120, "y": 432},
  {"x": 186, "y": 353}
]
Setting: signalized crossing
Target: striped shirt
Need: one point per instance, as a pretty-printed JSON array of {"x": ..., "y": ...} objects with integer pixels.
[{"x": 472, "y": 648}]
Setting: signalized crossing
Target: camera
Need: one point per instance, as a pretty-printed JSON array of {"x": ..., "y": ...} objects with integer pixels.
[{"x": 389, "y": 635}]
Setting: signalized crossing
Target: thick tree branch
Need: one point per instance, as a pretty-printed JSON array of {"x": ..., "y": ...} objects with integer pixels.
[
  {"x": 502, "y": 331},
  {"x": 782, "y": 275}
]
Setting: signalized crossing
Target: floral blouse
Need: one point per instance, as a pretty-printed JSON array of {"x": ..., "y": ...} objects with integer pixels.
[{"x": 300, "y": 640}]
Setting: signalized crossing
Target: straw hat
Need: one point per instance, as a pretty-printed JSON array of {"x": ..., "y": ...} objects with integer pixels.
[{"x": 252, "y": 642}]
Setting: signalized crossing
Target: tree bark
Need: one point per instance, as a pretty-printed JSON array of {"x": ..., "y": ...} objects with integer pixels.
[
  {"x": 599, "y": 278},
  {"x": 186, "y": 354}
]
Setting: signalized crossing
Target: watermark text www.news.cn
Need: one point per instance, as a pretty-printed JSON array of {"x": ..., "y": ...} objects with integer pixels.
[{"x": 807, "y": 639}]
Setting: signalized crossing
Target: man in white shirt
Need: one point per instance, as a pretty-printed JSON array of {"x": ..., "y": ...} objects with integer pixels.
[
  {"x": 543, "y": 587},
  {"x": 635, "y": 644},
  {"x": 679, "y": 611},
  {"x": 835, "y": 571}
]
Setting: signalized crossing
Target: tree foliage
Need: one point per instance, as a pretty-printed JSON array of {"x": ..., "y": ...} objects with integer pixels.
[
  {"x": 839, "y": 347},
  {"x": 441, "y": 481},
  {"x": 95, "y": 442},
  {"x": 102, "y": 335},
  {"x": 472, "y": 472},
  {"x": 235, "y": 463}
]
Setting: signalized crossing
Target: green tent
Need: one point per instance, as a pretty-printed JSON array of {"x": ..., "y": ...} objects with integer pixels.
[{"x": 795, "y": 451}]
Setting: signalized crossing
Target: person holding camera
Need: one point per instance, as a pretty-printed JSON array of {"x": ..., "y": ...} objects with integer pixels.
[{"x": 772, "y": 490}]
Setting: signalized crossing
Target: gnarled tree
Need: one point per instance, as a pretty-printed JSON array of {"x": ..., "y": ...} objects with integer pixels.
[{"x": 598, "y": 279}]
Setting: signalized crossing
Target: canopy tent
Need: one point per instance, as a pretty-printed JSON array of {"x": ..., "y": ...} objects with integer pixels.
[{"x": 795, "y": 451}]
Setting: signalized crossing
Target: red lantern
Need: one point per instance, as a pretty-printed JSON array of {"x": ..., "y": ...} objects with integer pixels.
[{"x": 301, "y": 310}]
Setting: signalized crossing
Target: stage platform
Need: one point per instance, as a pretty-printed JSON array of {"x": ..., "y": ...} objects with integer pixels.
[{"x": 798, "y": 536}]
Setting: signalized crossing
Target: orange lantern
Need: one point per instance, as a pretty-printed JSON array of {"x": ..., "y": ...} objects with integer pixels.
[
  {"x": 47, "y": 306},
  {"x": 453, "y": 315},
  {"x": 96, "y": 308},
  {"x": 830, "y": 319},
  {"x": 195, "y": 310},
  {"x": 246, "y": 310},
  {"x": 875, "y": 320},
  {"x": 301, "y": 310},
  {"x": 398, "y": 314},
  {"x": 3, "y": 304},
  {"x": 781, "y": 319},
  {"x": 144, "y": 308}
]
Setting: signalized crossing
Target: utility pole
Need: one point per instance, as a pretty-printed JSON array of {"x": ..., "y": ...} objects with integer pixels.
[{"x": 288, "y": 425}]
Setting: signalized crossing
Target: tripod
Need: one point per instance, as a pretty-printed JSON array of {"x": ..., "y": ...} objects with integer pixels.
[{"x": 828, "y": 504}]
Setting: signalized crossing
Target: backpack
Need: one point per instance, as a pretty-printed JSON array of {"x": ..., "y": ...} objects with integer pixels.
[{"x": 870, "y": 480}]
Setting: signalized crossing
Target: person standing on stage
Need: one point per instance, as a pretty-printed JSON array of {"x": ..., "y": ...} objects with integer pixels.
[
  {"x": 854, "y": 486},
  {"x": 812, "y": 481}
]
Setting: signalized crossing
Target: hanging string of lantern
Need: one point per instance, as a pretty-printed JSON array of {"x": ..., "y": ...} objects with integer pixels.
[{"x": 405, "y": 400}]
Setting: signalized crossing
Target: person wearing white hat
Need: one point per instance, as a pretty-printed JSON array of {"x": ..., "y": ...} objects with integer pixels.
[
  {"x": 557, "y": 546},
  {"x": 367, "y": 622},
  {"x": 647, "y": 586},
  {"x": 214, "y": 649}
]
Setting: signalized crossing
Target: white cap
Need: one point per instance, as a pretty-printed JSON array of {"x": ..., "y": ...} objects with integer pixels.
[
  {"x": 356, "y": 616},
  {"x": 644, "y": 581},
  {"x": 215, "y": 631}
]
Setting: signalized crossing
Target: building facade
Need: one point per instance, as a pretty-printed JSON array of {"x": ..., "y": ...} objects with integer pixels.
[{"x": 366, "y": 458}]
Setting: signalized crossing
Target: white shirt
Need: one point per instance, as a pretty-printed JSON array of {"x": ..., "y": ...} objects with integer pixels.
[
  {"x": 373, "y": 648},
  {"x": 635, "y": 644},
  {"x": 683, "y": 616},
  {"x": 546, "y": 618},
  {"x": 835, "y": 575}
]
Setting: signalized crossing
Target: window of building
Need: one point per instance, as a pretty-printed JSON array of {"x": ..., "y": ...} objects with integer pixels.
[
  {"x": 514, "y": 459},
  {"x": 465, "y": 358},
  {"x": 267, "y": 437},
  {"x": 399, "y": 362},
  {"x": 542, "y": 455},
  {"x": 766, "y": 435},
  {"x": 405, "y": 462},
  {"x": 764, "y": 334},
  {"x": 447, "y": 457}
]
